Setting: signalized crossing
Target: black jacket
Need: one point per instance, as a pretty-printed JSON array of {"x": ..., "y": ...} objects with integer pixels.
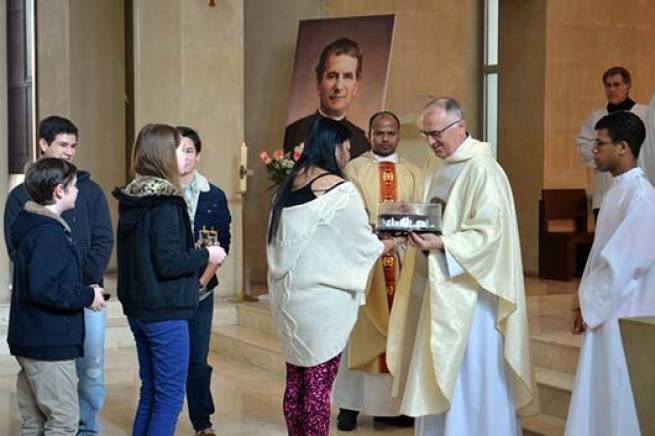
[
  {"x": 157, "y": 262},
  {"x": 46, "y": 317},
  {"x": 89, "y": 222},
  {"x": 212, "y": 213}
]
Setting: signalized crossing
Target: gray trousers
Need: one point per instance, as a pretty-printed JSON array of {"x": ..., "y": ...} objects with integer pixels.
[{"x": 46, "y": 392}]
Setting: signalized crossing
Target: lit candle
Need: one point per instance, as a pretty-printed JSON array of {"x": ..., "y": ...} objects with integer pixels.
[{"x": 243, "y": 180}]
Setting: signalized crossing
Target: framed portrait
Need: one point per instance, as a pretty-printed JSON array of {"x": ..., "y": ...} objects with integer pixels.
[{"x": 340, "y": 71}]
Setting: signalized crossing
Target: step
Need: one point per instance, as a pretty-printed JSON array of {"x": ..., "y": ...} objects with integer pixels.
[
  {"x": 554, "y": 389},
  {"x": 225, "y": 312},
  {"x": 256, "y": 316},
  {"x": 542, "y": 425},
  {"x": 538, "y": 286},
  {"x": 249, "y": 346},
  {"x": 117, "y": 329},
  {"x": 252, "y": 341},
  {"x": 555, "y": 352}
]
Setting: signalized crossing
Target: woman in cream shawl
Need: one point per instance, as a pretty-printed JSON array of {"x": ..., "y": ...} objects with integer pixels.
[{"x": 320, "y": 252}]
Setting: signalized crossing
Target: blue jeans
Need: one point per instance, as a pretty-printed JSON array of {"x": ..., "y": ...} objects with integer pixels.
[
  {"x": 163, "y": 351},
  {"x": 198, "y": 385},
  {"x": 91, "y": 373}
]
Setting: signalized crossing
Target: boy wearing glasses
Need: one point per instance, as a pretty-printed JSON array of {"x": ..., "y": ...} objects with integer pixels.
[{"x": 617, "y": 282}]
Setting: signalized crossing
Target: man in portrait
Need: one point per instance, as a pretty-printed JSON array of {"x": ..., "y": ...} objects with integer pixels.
[{"x": 338, "y": 75}]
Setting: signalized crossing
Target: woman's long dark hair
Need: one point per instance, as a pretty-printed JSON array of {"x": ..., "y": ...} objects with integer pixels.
[{"x": 324, "y": 136}]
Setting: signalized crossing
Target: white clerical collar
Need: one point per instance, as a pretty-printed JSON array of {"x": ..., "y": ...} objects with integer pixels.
[
  {"x": 393, "y": 158},
  {"x": 630, "y": 174},
  {"x": 462, "y": 147},
  {"x": 342, "y": 117}
]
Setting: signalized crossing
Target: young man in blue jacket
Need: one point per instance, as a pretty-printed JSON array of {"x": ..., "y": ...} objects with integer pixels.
[
  {"x": 92, "y": 233},
  {"x": 46, "y": 318},
  {"x": 209, "y": 215}
]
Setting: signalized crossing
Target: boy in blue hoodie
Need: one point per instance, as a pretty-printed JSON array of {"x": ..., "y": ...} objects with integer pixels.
[{"x": 46, "y": 318}]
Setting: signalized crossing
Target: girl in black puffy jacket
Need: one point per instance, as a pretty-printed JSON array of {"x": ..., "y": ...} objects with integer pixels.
[{"x": 157, "y": 276}]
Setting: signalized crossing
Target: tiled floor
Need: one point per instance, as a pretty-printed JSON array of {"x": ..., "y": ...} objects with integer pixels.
[{"x": 248, "y": 401}]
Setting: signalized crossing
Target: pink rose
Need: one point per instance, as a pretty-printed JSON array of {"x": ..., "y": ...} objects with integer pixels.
[
  {"x": 278, "y": 154},
  {"x": 264, "y": 157}
]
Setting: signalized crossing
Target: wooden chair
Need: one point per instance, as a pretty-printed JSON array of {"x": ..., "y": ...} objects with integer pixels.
[{"x": 564, "y": 240}]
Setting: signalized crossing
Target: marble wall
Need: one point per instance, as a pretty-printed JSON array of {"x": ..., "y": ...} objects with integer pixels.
[
  {"x": 189, "y": 69},
  {"x": 271, "y": 29},
  {"x": 638, "y": 336},
  {"x": 521, "y": 108},
  {"x": 436, "y": 51},
  {"x": 552, "y": 57},
  {"x": 583, "y": 39},
  {"x": 81, "y": 76},
  {"x": 226, "y": 70}
]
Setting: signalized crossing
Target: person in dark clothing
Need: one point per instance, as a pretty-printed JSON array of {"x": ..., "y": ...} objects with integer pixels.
[
  {"x": 296, "y": 132},
  {"x": 338, "y": 73},
  {"x": 209, "y": 214},
  {"x": 46, "y": 317},
  {"x": 158, "y": 276},
  {"x": 92, "y": 233}
]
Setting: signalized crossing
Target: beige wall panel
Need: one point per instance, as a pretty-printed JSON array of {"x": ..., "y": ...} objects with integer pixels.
[
  {"x": 53, "y": 58},
  {"x": 157, "y": 61},
  {"x": 581, "y": 43},
  {"x": 436, "y": 51},
  {"x": 638, "y": 336},
  {"x": 81, "y": 76},
  {"x": 97, "y": 92},
  {"x": 271, "y": 29},
  {"x": 212, "y": 100},
  {"x": 553, "y": 55},
  {"x": 521, "y": 114},
  {"x": 189, "y": 70}
]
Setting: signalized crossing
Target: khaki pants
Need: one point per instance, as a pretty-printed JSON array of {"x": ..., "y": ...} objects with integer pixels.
[{"x": 47, "y": 397}]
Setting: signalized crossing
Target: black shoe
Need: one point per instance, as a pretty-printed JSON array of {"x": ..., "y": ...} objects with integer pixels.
[
  {"x": 396, "y": 421},
  {"x": 347, "y": 420}
]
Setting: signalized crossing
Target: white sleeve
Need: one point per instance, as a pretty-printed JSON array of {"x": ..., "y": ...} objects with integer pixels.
[
  {"x": 357, "y": 242},
  {"x": 647, "y": 153},
  {"x": 584, "y": 140},
  {"x": 454, "y": 268},
  {"x": 621, "y": 265}
]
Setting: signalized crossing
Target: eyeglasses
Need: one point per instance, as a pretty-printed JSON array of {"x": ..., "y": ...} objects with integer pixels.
[{"x": 436, "y": 134}]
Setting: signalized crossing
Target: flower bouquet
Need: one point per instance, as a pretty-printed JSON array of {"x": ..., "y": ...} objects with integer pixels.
[{"x": 279, "y": 164}]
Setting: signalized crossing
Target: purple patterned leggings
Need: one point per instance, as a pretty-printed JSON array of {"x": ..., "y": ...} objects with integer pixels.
[{"x": 307, "y": 398}]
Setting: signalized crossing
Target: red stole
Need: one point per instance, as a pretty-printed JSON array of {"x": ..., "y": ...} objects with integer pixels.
[{"x": 388, "y": 193}]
